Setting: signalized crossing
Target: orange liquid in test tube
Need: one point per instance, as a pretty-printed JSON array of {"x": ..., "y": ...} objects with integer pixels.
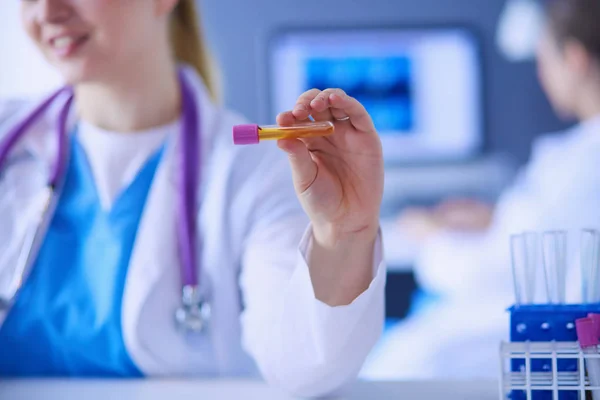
[{"x": 252, "y": 134}]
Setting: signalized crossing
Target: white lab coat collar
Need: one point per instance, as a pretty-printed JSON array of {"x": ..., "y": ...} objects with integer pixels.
[{"x": 41, "y": 139}]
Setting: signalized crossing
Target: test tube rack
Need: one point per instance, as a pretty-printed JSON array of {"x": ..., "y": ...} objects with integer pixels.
[{"x": 543, "y": 360}]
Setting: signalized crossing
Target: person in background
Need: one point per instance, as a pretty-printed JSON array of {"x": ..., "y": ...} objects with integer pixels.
[
  {"x": 464, "y": 263},
  {"x": 288, "y": 248}
]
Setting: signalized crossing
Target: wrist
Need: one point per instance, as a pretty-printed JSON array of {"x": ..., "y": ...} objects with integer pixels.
[
  {"x": 334, "y": 236},
  {"x": 341, "y": 262}
]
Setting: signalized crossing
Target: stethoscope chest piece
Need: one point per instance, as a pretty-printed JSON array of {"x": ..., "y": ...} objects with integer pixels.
[{"x": 193, "y": 315}]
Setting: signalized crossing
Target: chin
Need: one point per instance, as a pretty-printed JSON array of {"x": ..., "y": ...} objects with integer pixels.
[
  {"x": 76, "y": 72},
  {"x": 76, "y": 77}
]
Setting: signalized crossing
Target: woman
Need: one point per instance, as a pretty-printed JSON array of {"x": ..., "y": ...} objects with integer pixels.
[
  {"x": 465, "y": 261},
  {"x": 303, "y": 302}
]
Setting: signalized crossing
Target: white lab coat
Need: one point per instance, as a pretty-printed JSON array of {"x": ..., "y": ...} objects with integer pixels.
[
  {"x": 254, "y": 237},
  {"x": 459, "y": 336}
]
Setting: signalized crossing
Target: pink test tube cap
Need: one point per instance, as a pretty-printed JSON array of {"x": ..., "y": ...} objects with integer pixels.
[
  {"x": 245, "y": 134},
  {"x": 586, "y": 332}
]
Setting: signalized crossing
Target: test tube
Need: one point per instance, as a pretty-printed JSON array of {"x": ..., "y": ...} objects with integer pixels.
[
  {"x": 524, "y": 254},
  {"x": 587, "y": 336},
  {"x": 555, "y": 265},
  {"x": 253, "y": 134},
  {"x": 590, "y": 257}
]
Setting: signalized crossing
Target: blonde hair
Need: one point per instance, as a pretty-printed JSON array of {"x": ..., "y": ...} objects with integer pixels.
[{"x": 189, "y": 46}]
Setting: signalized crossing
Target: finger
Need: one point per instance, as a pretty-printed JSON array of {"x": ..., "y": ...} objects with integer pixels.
[
  {"x": 286, "y": 119},
  {"x": 302, "y": 109},
  {"x": 321, "y": 105},
  {"x": 304, "y": 169},
  {"x": 339, "y": 115},
  {"x": 347, "y": 106}
]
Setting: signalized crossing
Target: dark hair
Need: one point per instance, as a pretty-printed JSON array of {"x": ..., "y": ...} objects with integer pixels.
[{"x": 577, "y": 20}]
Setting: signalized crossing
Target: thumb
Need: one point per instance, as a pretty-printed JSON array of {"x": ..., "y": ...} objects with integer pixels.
[{"x": 304, "y": 169}]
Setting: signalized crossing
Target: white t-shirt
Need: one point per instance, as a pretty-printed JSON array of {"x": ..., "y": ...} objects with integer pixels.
[{"x": 116, "y": 158}]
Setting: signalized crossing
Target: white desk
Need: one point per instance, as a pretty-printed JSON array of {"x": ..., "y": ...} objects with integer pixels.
[{"x": 232, "y": 390}]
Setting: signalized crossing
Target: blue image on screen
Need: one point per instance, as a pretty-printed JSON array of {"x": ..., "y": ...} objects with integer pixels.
[{"x": 382, "y": 84}]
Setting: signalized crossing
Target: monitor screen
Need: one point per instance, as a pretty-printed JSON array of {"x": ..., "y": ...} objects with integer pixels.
[{"x": 422, "y": 86}]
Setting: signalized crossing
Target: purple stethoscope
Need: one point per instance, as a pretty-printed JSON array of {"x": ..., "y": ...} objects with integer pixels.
[{"x": 194, "y": 313}]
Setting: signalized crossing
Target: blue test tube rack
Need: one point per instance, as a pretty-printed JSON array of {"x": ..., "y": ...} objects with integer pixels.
[{"x": 546, "y": 323}]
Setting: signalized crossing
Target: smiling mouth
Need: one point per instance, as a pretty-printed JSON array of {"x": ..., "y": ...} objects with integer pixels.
[{"x": 65, "y": 46}]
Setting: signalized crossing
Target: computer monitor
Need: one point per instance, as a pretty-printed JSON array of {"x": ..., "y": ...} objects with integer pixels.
[{"x": 422, "y": 86}]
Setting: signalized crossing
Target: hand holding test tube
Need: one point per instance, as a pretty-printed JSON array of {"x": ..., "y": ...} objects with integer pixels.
[{"x": 338, "y": 179}]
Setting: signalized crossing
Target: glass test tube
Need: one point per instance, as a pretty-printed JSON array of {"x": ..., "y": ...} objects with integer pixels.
[
  {"x": 590, "y": 258},
  {"x": 524, "y": 254},
  {"x": 555, "y": 265},
  {"x": 252, "y": 133}
]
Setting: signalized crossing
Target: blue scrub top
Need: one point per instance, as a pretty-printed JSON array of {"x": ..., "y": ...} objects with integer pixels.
[{"x": 66, "y": 320}]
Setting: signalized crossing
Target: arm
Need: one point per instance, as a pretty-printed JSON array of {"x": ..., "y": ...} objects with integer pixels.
[
  {"x": 545, "y": 196},
  {"x": 458, "y": 264},
  {"x": 314, "y": 312},
  {"x": 300, "y": 343}
]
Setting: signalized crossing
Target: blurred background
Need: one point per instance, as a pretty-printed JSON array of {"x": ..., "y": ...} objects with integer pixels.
[{"x": 451, "y": 86}]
